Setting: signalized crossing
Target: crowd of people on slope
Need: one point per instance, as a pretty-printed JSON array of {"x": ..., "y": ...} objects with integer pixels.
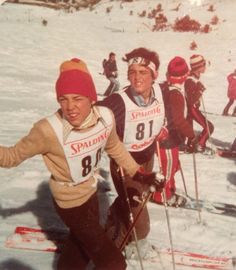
[{"x": 132, "y": 125}]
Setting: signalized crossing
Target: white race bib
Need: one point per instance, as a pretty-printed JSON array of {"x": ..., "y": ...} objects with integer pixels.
[
  {"x": 83, "y": 149},
  {"x": 142, "y": 124}
]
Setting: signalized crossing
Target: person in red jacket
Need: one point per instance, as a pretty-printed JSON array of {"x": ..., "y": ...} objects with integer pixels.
[
  {"x": 231, "y": 93},
  {"x": 178, "y": 129},
  {"x": 193, "y": 92}
]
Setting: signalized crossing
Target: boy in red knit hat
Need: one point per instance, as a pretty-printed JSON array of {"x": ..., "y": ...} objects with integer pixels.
[
  {"x": 178, "y": 128},
  {"x": 71, "y": 142}
]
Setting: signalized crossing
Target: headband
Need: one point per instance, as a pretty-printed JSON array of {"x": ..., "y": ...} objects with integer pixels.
[{"x": 144, "y": 62}]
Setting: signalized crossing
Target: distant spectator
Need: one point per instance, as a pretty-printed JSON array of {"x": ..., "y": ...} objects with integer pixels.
[
  {"x": 111, "y": 72},
  {"x": 231, "y": 93}
]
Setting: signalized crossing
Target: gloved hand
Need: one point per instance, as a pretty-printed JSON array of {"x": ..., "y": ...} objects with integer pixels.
[
  {"x": 163, "y": 134},
  {"x": 157, "y": 180},
  {"x": 193, "y": 143}
]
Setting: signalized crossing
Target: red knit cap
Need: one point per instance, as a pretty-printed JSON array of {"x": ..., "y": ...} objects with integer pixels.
[
  {"x": 197, "y": 61},
  {"x": 177, "y": 70},
  {"x": 75, "y": 79}
]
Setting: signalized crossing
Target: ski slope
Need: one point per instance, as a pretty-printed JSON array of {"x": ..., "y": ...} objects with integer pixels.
[{"x": 31, "y": 53}]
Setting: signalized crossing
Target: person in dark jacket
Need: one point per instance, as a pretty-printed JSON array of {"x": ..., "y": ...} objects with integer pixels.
[
  {"x": 111, "y": 72},
  {"x": 194, "y": 90},
  {"x": 139, "y": 116},
  {"x": 178, "y": 129}
]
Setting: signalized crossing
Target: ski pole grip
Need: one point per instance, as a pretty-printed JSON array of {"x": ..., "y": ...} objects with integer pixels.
[
  {"x": 159, "y": 182},
  {"x": 152, "y": 188},
  {"x": 160, "y": 177}
]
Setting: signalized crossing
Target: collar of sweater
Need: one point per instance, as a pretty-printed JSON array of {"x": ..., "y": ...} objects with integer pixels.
[
  {"x": 90, "y": 121},
  {"x": 139, "y": 100}
]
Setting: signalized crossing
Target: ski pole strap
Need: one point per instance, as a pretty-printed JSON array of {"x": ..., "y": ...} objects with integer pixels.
[
  {"x": 130, "y": 229},
  {"x": 131, "y": 217},
  {"x": 122, "y": 175}
]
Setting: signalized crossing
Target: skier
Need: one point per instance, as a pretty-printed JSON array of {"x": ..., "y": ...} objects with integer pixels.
[
  {"x": 231, "y": 93},
  {"x": 139, "y": 116},
  {"x": 194, "y": 90},
  {"x": 178, "y": 129},
  {"x": 71, "y": 142},
  {"x": 111, "y": 72}
]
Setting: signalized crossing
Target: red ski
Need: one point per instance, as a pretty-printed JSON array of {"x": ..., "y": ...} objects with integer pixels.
[
  {"x": 198, "y": 260},
  {"x": 36, "y": 239},
  {"x": 226, "y": 153},
  {"x": 52, "y": 241}
]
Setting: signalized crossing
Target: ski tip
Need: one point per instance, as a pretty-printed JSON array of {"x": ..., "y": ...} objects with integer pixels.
[{"x": 227, "y": 153}]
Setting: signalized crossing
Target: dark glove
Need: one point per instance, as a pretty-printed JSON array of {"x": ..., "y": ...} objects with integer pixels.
[
  {"x": 193, "y": 143},
  {"x": 156, "y": 180}
]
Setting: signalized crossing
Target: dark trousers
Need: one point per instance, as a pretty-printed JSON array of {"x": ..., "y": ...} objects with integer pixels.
[
  {"x": 196, "y": 115},
  {"x": 113, "y": 86},
  {"x": 87, "y": 240},
  {"x": 119, "y": 212}
]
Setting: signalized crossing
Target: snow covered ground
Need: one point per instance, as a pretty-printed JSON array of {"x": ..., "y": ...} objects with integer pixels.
[{"x": 30, "y": 56}]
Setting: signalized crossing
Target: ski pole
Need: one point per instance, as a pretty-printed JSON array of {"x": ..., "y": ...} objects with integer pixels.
[
  {"x": 196, "y": 186},
  {"x": 132, "y": 225},
  {"x": 183, "y": 178},
  {"x": 165, "y": 206},
  {"x": 207, "y": 125},
  {"x": 131, "y": 217}
]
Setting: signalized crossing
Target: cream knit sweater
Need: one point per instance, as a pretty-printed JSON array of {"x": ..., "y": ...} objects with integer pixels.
[{"x": 42, "y": 140}]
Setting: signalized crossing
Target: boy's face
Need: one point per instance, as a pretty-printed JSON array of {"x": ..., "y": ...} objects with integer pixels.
[
  {"x": 141, "y": 79},
  {"x": 113, "y": 58},
  {"x": 202, "y": 69},
  {"x": 75, "y": 108}
]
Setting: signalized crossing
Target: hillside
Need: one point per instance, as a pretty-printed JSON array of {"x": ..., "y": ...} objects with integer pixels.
[{"x": 36, "y": 40}]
